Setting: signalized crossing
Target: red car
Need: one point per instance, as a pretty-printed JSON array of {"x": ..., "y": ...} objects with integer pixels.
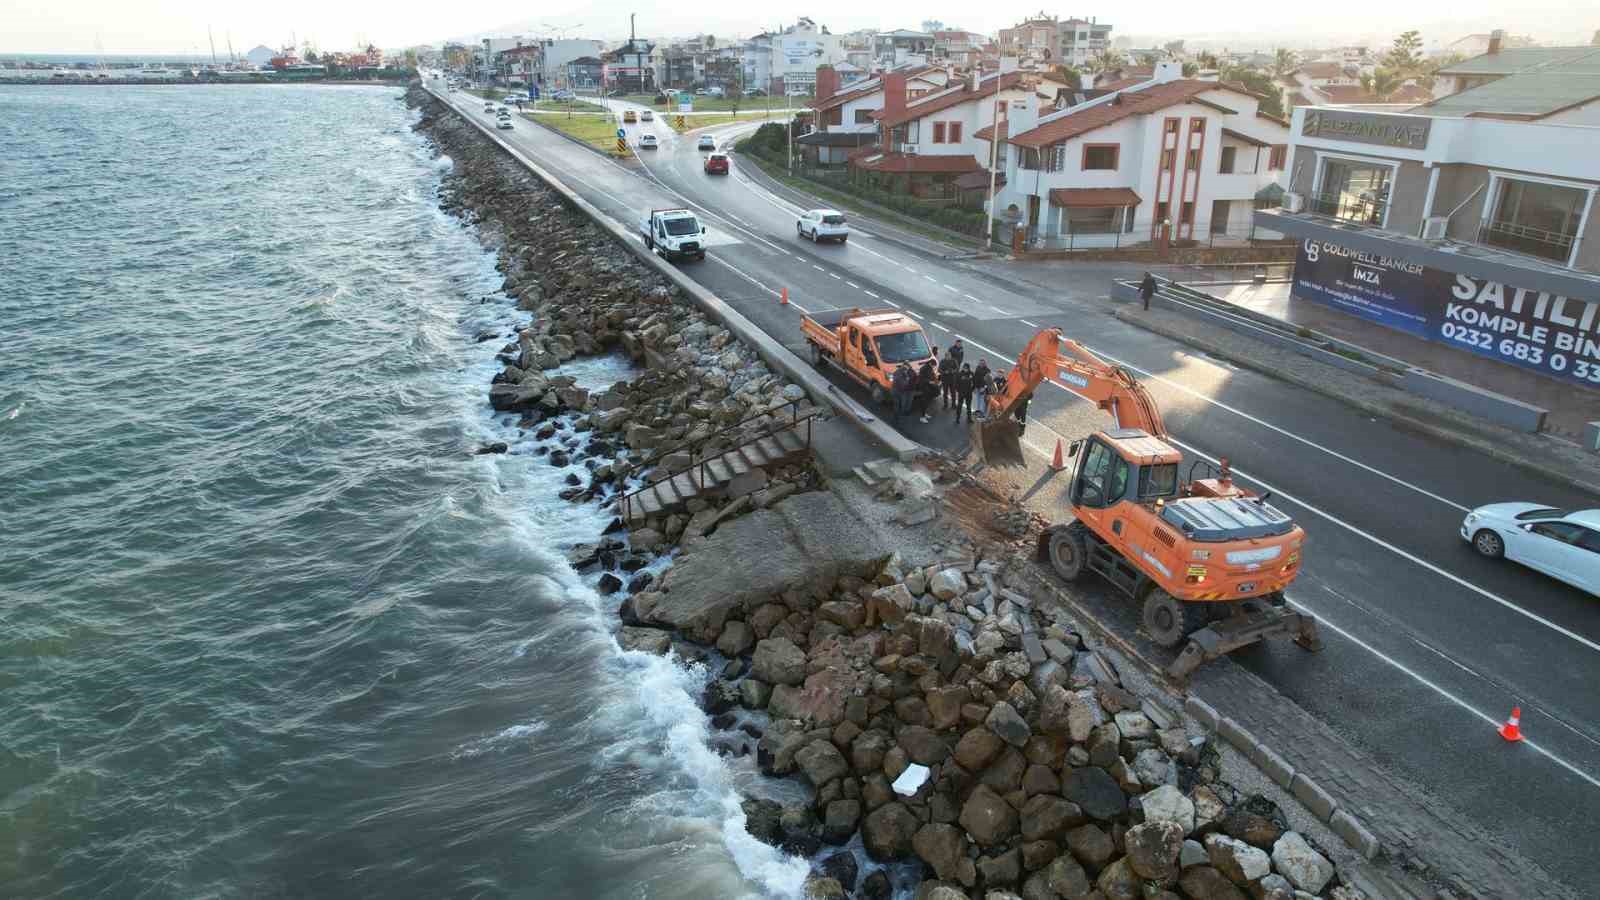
[{"x": 717, "y": 164}]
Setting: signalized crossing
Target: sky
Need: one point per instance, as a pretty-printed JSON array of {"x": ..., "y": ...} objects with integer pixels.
[{"x": 179, "y": 26}]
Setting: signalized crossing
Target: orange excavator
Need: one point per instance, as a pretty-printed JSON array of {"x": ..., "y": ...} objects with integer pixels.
[{"x": 1207, "y": 560}]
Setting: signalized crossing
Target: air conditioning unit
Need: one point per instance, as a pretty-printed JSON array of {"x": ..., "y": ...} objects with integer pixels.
[
  {"x": 1293, "y": 202},
  {"x": 1434, "y": 227}
]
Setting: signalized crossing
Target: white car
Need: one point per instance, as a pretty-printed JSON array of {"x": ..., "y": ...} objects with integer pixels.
[
  {"x": 504, "y": 123},
  {"x": 1562, "y": 544},
  {"x": 707, "y": 142},
  {"x": 822, "y": 225},
  {"x": 647, "y": 116},
  {"x": 647, "y": 142}
]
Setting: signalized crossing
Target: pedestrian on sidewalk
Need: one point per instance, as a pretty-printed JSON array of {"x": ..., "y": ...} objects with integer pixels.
[
  {"x": 983, "y": 381},
  {"x": 1147, "y": 289},
  {"x": 959, "y": 351},
  {"x": 963, "y": 390},
  {"x": 927, "y": 389},
  {"x": 900, "y": 386},
  {"x": 948, "y": 367}
]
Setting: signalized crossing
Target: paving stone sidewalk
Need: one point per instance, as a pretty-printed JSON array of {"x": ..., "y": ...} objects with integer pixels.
[
  {"x": 1421, "y": 835},
  {"x": 1546, "y": 455}
]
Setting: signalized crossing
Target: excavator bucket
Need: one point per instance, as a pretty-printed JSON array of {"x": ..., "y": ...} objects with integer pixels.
[
  {"x": 1242, "y": 629},
  {"x": 997, "y": 442}
]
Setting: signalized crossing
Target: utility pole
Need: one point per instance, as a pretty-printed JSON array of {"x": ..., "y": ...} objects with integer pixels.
[{"x": 994, "y": 150}]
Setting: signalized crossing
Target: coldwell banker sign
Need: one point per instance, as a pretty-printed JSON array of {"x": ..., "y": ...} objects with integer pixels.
[{"x": 1548, "y": 333}]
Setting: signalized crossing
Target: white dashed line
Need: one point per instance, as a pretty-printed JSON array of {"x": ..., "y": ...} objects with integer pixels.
[
  {"x": 854, "y": 285},
  {"x": 940, "y": 327},
  {"x": 818, "y": 268},
  {"x": 870, "y": 294},
  {"x": 1027, "y": 323},
  {"x": 931, "y": 278},
  {"x": 952, "y": 290},
  {"x": 972, "y": 298},
  {"x": 831, "y": 275}
]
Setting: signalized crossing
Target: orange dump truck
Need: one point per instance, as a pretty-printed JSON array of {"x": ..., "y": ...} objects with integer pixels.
[{"x": 866, "y": 344}]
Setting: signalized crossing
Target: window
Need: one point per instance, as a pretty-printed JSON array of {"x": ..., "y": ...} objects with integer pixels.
[
  {"x": 835, "y": 116},
  {"x": 954, "y": 132},
  {"x": 1197, "y": 125},
  {"x": 1057, "y": 159},
  {"x": 1029, "y": 159},
  {"x": 1166, "y": 160},
  {"x": 1099, "y": 474},
  {"x": 1161, "y": 212},
  {"x": 1158, "y": 481},
  {"x": 1228, "y": 155},
  {"x": 1100, "y": 156},
  {"x": 1353, "y": 191},
  {"x": 1188, "y": 212},
  {"x": 1535, "y": 218},
  {"x": 1589, "y": 540},
  {"x": 1093, "y": 219},
  {"x": 1276, "y": 161},
  {"x": 938, "y": 132},
  {"x": 1192, "y": 161},
  {"x": 1172, "y": 126},
  {"x": 907, "y": 346},
  {"x": 1565, "y": 532},
  {"x": 863, "y": 117}
]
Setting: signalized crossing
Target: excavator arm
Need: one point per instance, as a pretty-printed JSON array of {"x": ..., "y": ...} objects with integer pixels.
[{"x": 1049, "y": 356}]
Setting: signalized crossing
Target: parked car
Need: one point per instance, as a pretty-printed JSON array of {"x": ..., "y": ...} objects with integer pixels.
[
  {"x": 647, "y": 142},
  {"x": 629, "y": 115},
  {"x": 1563, "y": 544},
  {"x": 707, "y": 142},
  {"x": 564, "y": 95},
  {"x": 822, "y": 225},
  {"x": 755, "y": 92},
  {"x": 647, "y": 116},
  {"x": 717, "y": 164}
]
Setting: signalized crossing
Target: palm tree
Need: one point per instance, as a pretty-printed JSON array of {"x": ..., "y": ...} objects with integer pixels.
[{"x": 1283, "y": 61}]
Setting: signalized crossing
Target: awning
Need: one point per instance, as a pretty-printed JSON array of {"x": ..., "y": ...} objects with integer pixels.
[
  {"x": 979, "y": 180},
  {"x": 1240, "y": 136},
  {"x": 1081, "y": 197}
]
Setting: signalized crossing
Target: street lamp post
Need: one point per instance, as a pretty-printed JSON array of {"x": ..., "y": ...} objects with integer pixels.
[{"x": 994, "y": 153}]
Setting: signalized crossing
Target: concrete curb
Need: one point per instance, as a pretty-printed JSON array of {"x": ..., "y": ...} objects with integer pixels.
[
  {"x": 1447, "y": 435},
  {"x": 773, "y": 353},
  {"x": 1310, "y": 794}
]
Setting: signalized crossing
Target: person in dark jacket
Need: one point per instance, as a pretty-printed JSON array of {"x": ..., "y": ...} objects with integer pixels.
[
  {"x": 963, "y": 390},
  {"x": 1147, "y": 289},
  {"x": 959, "y": 351},
  {"x": 901, "y": 385},
  {"x": 983, "y": 384},
  {"x": 948, "y": 367},
  {"x": 927, "y": 388},
  {"x": 1021, "y": 413}
]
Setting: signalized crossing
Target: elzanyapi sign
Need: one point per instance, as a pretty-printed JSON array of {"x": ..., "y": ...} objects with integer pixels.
[
  {"x": 1407, "y": 132},
  {"x": 1548, "y": 333}
]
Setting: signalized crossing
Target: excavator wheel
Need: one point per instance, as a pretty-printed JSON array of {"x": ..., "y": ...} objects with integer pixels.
[
  {"x": 1066, "y": 550},
  {"x": 1168, "y": 620}
]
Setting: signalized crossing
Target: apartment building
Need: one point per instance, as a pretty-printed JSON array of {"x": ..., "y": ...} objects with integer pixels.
[
  {"x": 1476, "y": 230},
  {"x": 1082, "y": 40},
  {"x": 962, "y": 49},
  {"x": 1036, "y": 39},
  {"x": 786, "y": 61},
  {"x": 1167, "y": 159},
  {"x": 901, "y": 47}
]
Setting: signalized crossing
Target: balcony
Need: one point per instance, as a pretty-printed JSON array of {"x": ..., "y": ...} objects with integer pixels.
[
  {"x": 1555, "y": 246},
  {"x": 1362, "y": 209}
]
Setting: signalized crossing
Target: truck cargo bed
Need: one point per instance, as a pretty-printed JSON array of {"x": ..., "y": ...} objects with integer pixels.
[{"x": 833, "y": 318}]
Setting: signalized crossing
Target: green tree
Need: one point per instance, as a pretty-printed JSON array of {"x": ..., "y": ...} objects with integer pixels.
[
  {"x": 1259, "y": 83},
  {"x": 1105, "y": 61},
  {"x": 1190, "y": 69},
  {"x": 1073, "y": 76},
  {"x": 311, "y": 56},
  {"x": 1406, "y": 54},
  {"x": 1208, "y": 60},
  {"x": 1147, "y": 59},
  {"x": 411, "y": 60},
  {"x": 1284, "y": 61},
  {"x": 1384, "y": 82}
]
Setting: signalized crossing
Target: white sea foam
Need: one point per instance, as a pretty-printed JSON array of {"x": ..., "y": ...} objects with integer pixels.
[{"x": 517, "y": 736}]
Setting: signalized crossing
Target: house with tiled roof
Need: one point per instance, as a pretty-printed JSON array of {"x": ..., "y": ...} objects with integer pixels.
[
  {"x": 1185, "y": 154},
  {"x": 1554, "y": 85},
  {"x": 845, "y": 115},
  {"x": 928, "y": 142}
]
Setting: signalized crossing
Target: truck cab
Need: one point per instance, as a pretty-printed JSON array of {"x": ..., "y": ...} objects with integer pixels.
[
  {"x": 868, "y": 345},
  {"x": 674, "y": 233}
]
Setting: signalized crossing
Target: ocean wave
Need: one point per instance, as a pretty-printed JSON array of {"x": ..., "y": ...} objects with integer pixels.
[{"x": 515, "y": 737}]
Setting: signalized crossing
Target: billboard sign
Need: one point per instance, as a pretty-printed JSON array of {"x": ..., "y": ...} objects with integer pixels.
[
  {"x": 1406, "y": 132},
  {"x": 1548, "y": 333}
]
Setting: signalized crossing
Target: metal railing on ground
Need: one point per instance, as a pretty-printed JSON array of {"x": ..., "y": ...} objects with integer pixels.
[
  {"x": 1543, "y": 243},
  {"x": 699, "y": 460}
]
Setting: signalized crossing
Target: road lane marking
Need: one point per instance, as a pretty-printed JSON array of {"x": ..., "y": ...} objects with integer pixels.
[
  {"x": 854, "y": 285},
  {"x": 940, "y": 327},
  {"x": 747, "y": 277},
  {"x": 832, "y": 275},
  {"x": 1027, "y": 323},
  {"x": 1398, "y": 551},
  {"x": 952, "y": 290},
  {"x": 931, "y": 278},
  {"x": 818, "y": 268},
  {"x": 869, "y": 294}
]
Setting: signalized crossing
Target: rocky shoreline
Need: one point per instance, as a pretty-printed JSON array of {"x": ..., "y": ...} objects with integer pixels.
[{"x": 958, "y": 735}]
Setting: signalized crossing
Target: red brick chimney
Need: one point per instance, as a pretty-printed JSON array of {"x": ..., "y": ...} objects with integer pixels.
[
  {"x": 894, "y": 94},
  {"x": 827, "y": 82}
]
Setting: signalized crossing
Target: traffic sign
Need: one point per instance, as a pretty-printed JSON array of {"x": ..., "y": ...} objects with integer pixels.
[{"x": 622, "y": 134}]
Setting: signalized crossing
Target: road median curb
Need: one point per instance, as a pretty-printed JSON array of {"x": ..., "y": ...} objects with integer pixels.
[
  {"x": 1384, "y": 411},
  {"x": 768, "y": 348}
]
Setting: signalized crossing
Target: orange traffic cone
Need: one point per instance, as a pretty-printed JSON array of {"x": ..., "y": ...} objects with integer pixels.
[
  {"x": 1512, "y": 729},
  {"x": 783, "y": 298},
  {"x": 1058, "y": 463}
]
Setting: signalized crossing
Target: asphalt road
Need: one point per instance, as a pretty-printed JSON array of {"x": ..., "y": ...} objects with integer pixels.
[{"x": 1429, "y": 646}]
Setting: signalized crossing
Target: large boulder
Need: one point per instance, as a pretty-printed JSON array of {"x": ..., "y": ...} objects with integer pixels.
[
  {"x": 977, "y": 748},
  {"x": 1090, "y": 845},
  {"x": 778, "y": 661},
  {"x": 1154, "y": 768},
  {"x": 942, "y": 847},
  {"x": 887, "y": 832},
  {"x": 1118, "y": 881},
  {"x": 947, "y": 584},
  {"x": 820, "y": 702},
  {"x": 867, "y": 750},
  {"x": 1047, "y": 817},
  {"x": 944, "y": 705},
  {"x": 1066, "y": 878},
  {"x": 807, "y": 540},
  {"x": 922, "y": 745},
  {"x": 1240, "y": 862},
  {"x": 1153, "y": 849},
  {"x": 645, "y": 640},
  {"x": 1297, "y": 861},
  {"x": 1004, "y": 721},
  {"x": 839, "y": 821},
  {"x": 1095, "y": 791},
  {"x": 842, "y": 867},
  {"x": 736, "y": 640},
  {"x": 1167, "y": 804},
  {"x": 988, "y": 817},
  {"x": 821, "y": 762},
  {"x": 1206, "y": 883}
]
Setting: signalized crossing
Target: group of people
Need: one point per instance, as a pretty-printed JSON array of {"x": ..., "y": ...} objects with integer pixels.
[{"x": 952, "y": 379}]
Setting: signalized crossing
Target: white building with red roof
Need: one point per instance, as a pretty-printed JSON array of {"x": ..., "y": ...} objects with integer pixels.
[{"x": 1192, "y": 154}]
